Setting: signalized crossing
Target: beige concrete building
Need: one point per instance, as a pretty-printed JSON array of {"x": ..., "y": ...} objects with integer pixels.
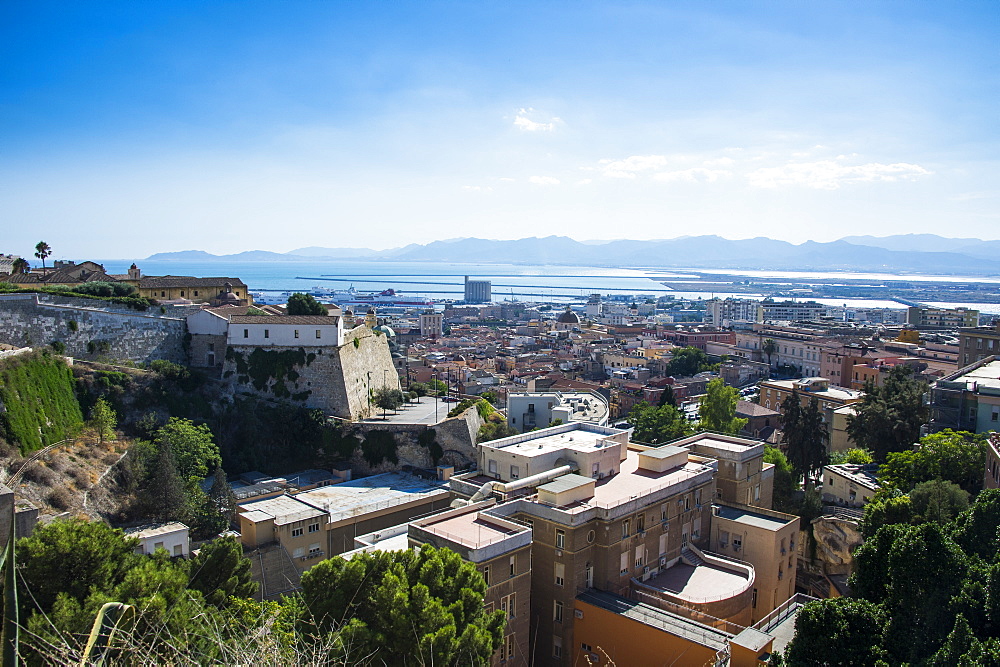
[
  {"x": 501, "y": 550},
  {"x": 830, "y": 397},
  {"x": 619, "y": 517},
  {"x": 741, "y": 474},
  {"x": 850, "y": 484},
  {"x": 765, "y": 539},
  {"x": 977, "y": 343}
]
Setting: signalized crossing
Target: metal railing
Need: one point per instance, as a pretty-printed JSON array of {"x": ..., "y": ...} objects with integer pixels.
[{"x": 781, "y": 613}]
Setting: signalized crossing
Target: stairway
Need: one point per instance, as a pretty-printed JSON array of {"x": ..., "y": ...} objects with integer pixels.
[
  {"x": 273, "y": 569},
  {"x": 691, "y": 558}
]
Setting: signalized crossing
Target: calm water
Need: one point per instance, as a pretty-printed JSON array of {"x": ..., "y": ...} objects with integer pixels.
[{"x": 443, "y": 280}]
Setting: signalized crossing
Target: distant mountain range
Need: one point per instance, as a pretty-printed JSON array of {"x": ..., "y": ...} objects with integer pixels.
[{"x": 923, "y": 253}]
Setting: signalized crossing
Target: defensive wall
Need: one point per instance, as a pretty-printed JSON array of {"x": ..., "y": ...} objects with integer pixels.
[{"x": 90, "y": 328}]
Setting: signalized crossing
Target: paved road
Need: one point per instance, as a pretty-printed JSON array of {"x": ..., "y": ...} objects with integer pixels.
[{"x": 421, "y": 412}]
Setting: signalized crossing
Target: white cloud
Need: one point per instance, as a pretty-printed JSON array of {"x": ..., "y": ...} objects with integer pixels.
[
  {"x": 544, "y": 180},
  {"x": 832, "y": 174},
  {"x": 693, "y": 175},
  {"x": 526, "y": 124},
  {"x": 631, "y": 166}
]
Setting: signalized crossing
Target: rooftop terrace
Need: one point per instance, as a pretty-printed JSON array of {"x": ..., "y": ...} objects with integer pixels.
[
  {"x": 751, "y": 518},
  {"x": 359, "y": 496}
]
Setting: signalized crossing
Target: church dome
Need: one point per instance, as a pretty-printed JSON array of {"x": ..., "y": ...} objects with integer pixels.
[
  {"x": 387, "y": 330},
  {"x": 568, "y": 317}
]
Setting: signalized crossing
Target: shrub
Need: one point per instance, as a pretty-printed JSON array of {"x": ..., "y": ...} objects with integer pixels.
[
  {"x": 58, "y": 346},
  {"x": 60, "y": 499}
]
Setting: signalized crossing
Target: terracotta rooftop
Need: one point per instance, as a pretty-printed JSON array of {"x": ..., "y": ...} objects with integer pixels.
[
  {"x": 156, "y": 282},
  {"x": 327, "y": 320}
]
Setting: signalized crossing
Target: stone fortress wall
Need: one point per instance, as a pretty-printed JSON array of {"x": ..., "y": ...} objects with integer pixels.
[
  {"x": 336, "y": 379},
  {"x": 90, "y": 328}
]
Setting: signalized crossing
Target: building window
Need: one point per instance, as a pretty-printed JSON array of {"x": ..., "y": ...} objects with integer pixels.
[
  {"x": 623, "y": 564},
  {"x": 508, "y": 647},
  {"x": 625, "y": 528},
  {"x": 640, "y": 523},
  {"x": 246, "y": 333},
  {"x": 486, "y": 574},
  {"x": 196, "y": 292},
  {"x": 560, "y": 574},
  {"x": 297, "y": 532},
  {"x": 296, "y": 333},
  {"x": 513, "y": 565},
  {"x": 507, "y": 604},
  {"x": 640, "y": 555},
  {"x": 299, "y": 552},
  {"x": 267, "y": 333},
  {"x": 313, "y": 527},
  {"x": 319, "y": 333},
  {"x": 557, "y": 647},
  {"x": 753, "y": 599},
  {"x": 737, "y": 543},
  {"x": 557, "y": 611},
  {"x": 163, "y": 293},
  {"x": 515, "y": 472},
  {"x": 560, "y": 539},
  {"x": 182, "y": 294}
]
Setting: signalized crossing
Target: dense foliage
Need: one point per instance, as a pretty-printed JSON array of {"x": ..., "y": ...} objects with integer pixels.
[
  {"x": 134, "y": 302},
  {"x": 39, "y": 406},
  {"x": 405, "y": 607},
  {"x": 717, "y": 411},
  {"x": 305, "y": 304},
  {"x": 785, "y": 479},
  {"x": 924, "y": 594},
  {"x": 889, "y": 416},
  {"x": 805, "y": 436},
  {"x": 687, "y": 361},
  {"x": 656, "y": 425},
  {"x": 956, "y": 456}
]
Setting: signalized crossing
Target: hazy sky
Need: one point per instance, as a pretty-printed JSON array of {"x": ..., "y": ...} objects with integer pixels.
[{"x": 128, "y": 128}]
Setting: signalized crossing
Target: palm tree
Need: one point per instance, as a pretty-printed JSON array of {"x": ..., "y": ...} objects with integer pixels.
[
  {"x": 42, "y": 250},
  {"x": 20, "y": 266},
  {"x": 769, "y": 347}
]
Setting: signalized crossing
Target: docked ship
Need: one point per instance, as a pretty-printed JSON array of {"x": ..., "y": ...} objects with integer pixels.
[{"x": 352, "y": 297}]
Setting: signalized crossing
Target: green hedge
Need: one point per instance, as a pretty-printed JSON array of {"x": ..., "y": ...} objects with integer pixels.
[
  {"x": 134, "y": 302},
  {"x": 38, "y": 399}
]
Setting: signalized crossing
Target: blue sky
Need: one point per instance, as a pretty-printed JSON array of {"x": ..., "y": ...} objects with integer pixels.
[{"x": 132, "y": 128}]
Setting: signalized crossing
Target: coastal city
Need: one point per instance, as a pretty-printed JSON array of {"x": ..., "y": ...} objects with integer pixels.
[
  {"x": 521, "y": 334},
  {"x": 630, "y": 466}
]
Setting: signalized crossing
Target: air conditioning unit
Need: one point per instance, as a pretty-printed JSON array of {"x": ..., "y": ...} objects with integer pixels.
[{"x": 578, "y": 613}]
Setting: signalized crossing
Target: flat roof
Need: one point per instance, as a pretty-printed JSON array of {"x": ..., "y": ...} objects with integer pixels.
[
  {"x": 832, "y": 392},
  {"x": 566, "y": 483},
  {"x": 284, "y": 509},
  {"x": 865, "y": 475},
  {"x": 368, "y": 494},
  {"x": 471, "y": 529},
  {"x": 987, "y": 375},
  {"x": 154, "y": 530},
  {"x": 577, "y": 440},
  {"x": 698, "y": 583},
  {"x": 750, "y": 518},
  {"x": 679, "y": 626},
  {"x": 664, "y": 452},
  {"x": 631, "y": 482}
]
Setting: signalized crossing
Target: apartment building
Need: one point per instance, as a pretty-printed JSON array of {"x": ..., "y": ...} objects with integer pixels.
[
  {"x": 741, "y": 474},
  {"x": 765, "y": 539},
  {"x": 526, "y": 410},
  {"x": 929, "y": 317},
  {"x": 792, "y": 311},
  {"x": 830, "y": 397},
  {"x": 850, "y": 484},
  {"x": 977, "y": 343},
  {"x": 722, "y": 312},
  {"x": 968, "y": 399}
]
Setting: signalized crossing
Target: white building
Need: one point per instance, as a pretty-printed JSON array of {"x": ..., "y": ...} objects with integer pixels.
[
  {"x": 285, "y": 330},
  {"x": 720, "y": 312},
  {"x": 173, "y": 537},
  {"x": 431, "y": 324},
  {"x": 526, "y": 410}
]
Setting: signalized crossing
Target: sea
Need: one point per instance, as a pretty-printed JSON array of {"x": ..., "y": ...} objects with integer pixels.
[{"x": 521, "y": 282}]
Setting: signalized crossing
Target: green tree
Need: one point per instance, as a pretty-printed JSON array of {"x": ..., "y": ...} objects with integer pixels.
[
  {"x": 388, "y": 398},
  {"x": 805, "y": 436},
  {"x": 193, "y": 448},
  {"x": 785, "y": 479},
  {"x": 687, "y": 361},
  {"x": 163, "y": 495},
  {"x": 490, "y": 396},
  {"x": 658, "y": 425},
  {"x": 958, "y": 457},
  {"x": 437, "y": 387},
  {"x": 975, "y": 530},
  {"x": 667, "y": 397},
  {"x": 419, "y": 388},
  {"x": 884, "y": 509},
  {"x": 42, "y": 251},
  {"x": 837, "y": 632},
  {"x": 937, "y": 501},
  {"x": 888, "y": 417},
  {"x": 305, "y": 304},
  {"x": 20, "y": 265},
  {"x": 717, "y": 411},
  {"x": 856, "y": 456},
  {"x": 769, "y": 347},
  {"x": 71, "y": 557},
  {"x": 220, "y": 571},
  {"x": 436, "y": 602},
  {"x": 222, "y": 496},
  {"x": 103, "y": 419}
]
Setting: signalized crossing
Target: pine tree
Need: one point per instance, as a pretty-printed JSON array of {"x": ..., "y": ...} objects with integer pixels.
[{"x": 163, "y": 496}]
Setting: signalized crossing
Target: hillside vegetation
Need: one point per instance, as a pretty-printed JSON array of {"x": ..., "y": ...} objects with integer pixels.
[{"x": 39, "y": 406}]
